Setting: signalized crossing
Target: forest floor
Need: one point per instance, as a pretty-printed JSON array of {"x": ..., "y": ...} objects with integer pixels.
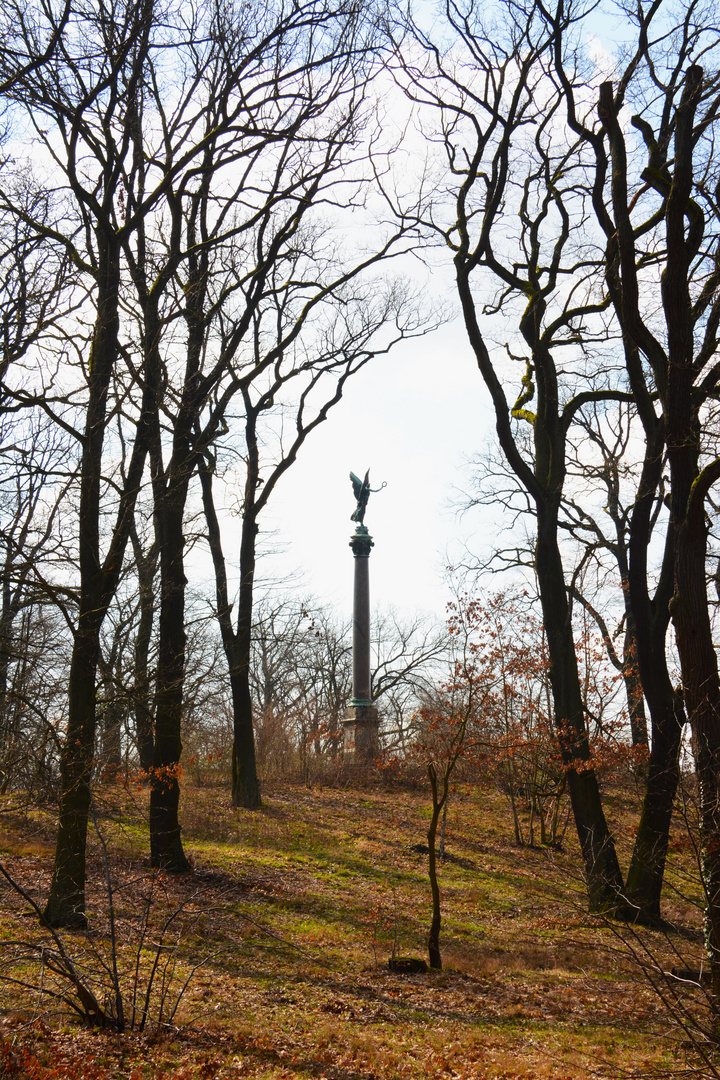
[{"x": 274, "y": 958}]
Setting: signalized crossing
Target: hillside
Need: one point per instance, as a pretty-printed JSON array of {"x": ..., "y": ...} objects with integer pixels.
[{"x": 274, "y": 959}]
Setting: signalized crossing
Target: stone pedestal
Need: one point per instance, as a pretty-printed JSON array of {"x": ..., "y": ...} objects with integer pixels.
[
  {"x": 361, "y": 724},
  {"x": 361, "y": 743}
]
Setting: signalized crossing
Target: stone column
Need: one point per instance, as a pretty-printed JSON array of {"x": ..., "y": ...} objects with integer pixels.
[{"x": 361, "y": 743}]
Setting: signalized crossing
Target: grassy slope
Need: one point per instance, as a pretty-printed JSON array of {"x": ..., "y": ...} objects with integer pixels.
[{"x": 295, "y": 908}]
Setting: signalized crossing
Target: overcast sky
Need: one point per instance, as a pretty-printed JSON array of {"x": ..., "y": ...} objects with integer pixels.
[{"x": 412, "y": 418}]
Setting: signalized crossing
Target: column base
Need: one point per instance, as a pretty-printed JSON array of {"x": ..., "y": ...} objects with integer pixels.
[{"x": 361, "y": 740}]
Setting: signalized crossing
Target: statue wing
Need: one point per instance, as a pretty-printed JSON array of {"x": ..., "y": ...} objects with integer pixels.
[{"x": 357, "y": 485}]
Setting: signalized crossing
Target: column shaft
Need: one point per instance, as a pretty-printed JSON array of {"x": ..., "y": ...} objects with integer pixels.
[
  {"x": 361, "y": 723},
  {"x": 361, "y": 630}
]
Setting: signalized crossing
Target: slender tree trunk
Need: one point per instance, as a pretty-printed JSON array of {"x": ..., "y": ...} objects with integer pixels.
[
  {"x": 434, "y": 935},
  {"x": 629, "y": 665},
  {"x": 634, "y": 691},
  {"x": 443, "y": 823},
  {"x": 11, "y": 717},
  {"x": 245, "y": 785},
  {"x": 7, "y": 616},
  {"x": 112, "y": 714},
  {"x": 141, "y": 691}
]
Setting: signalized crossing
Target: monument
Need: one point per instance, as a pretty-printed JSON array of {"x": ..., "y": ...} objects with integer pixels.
[{"x": 361, "y": 743}]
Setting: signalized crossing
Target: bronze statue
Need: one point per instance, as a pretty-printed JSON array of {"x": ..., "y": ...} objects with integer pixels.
[{"x": 362, "y": 492}]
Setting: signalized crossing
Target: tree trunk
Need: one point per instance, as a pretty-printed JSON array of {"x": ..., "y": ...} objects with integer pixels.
[
  {"x": 651, "y": 618},
  {"x": 98, "y": 582},
  {"x": 689, "y": 488},
  {"x": 66, "y": 903},
  {"x": 112, "y": 716},
  {"x": 7, "y": 616},
  {"x": 634, "y": 691},
  {"x": 236, "y": 643},
  {"x": 141, "y": 690},
  {"x": 166, "y": 850},
  {"x": 544, "y": 483},
  {"x": 602, "y": 870},
  {"x": 689, "y": 609},
  {"x": 647, "y": 866},
  {"x": 245, "y": 785},
  {"x": 434, "y": 935},
  {"x": 170, "y": 491}
]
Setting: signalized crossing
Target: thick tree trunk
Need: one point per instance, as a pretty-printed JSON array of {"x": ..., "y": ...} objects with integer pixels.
[
  {"x": 701, "y": 683},
  {"x": 689, "y": 488},
  {"x": 544, "y": 483},
  {"x": 98, "y": 582},
  {"x": 647, "y": 866},
  {"x": 166, "y": 850},
  {"x": 602, "y": 870},
  {"x": 66, "y": 903},
  {"x": 651, "y": 618}
]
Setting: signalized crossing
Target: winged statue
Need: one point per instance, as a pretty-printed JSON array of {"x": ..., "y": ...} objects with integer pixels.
[{"x": 362, "y": 491}]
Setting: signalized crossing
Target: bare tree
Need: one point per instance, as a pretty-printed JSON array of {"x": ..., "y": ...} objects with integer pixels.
[
  {"x": 82, "y": 106},
  {"x": 657, "y": 208},
  {"x": 270, "y": 311},
  {"x": 21, "y": 50},
  {"x": 135, "y": 116},
  {"x": 184, "y": 155},
  {"x": 316, "y": 341},
  {"x": 517, "y": 142},
  {"x": 37, "y": 471},
  {"x": 495, "y": 108}
]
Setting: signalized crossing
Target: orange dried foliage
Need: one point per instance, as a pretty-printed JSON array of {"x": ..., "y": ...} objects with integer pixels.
[{"x": 498, "y": 696}]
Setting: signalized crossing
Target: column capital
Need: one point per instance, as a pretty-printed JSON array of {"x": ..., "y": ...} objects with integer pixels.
[{"x": 361, "y": 542}]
